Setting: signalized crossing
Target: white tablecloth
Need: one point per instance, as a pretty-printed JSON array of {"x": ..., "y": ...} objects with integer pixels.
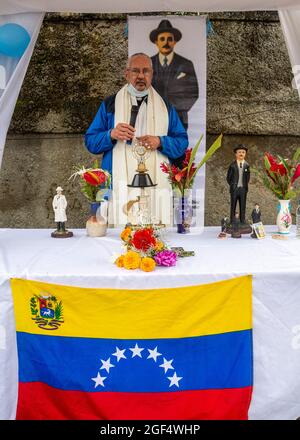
[{"x": 85, "y": 262}]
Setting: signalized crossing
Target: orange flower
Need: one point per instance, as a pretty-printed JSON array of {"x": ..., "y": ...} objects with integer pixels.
[
  {"x": 126, "y": 234},
  {"x": 120, "y": 261},
  {"x": 147, "y": 264},
  {"x": 159, "y": 246},
  {"x": 132, "y": 260}
]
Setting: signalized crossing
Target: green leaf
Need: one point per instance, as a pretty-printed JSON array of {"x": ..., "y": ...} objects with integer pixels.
[
  {"x": 291, "y": 194},
  {"x": 58, "y": 311},
  {"x": 194, "y": 152},
  {"x": 267, "y": 163},
  {"x": 96, "y": 163},
  {"x": 285, "y": 164},
  {"x": 211, "y": 151},
  {"x": 296, "y": 155},
  {"x": 100, "y": 194}
]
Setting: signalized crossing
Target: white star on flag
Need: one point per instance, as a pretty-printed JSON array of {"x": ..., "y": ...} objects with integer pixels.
[
  {"x": 174, "y": 380},
  {"x": 119, "y": 354},
  {"x": 167, "y": 365},
  {"x": 136, "y": 351},
  {"x": 153, "y": 354},
  {"x": 98, "y": 380},
  {"x": 106, "y": 365}
]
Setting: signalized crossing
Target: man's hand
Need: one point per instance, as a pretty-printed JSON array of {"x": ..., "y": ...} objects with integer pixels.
[
  {"x": 150, "y": 142},
  {"x": 122, "y": 132}
]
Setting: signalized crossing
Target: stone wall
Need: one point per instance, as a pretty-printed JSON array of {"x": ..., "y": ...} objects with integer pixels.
[{"x": 79, "y": 59}]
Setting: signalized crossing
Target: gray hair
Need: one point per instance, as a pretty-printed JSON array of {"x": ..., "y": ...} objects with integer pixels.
[{"x": 138, "y": 54}]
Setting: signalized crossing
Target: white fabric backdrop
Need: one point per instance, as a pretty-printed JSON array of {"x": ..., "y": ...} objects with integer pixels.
[
  {"x": 290, "y": 23},
  {"x": 85, "y": 261},
  {"x": 12, "y": 6},
  {"x": 15, "y": 71},
  {"x": 193, "y": 47}
]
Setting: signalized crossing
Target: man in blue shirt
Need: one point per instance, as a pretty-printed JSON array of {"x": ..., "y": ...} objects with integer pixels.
[{"x": 137, "y": 111}]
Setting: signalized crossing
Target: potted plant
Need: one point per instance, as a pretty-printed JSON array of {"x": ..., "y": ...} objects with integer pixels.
[
  {"x": 279, "y": 175},
  {"x": 94, "y": 184},
  {"x": 182, "y": 180}
]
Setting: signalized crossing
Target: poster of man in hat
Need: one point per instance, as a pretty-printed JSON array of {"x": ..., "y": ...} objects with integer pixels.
[
  {"x": 182, "y": 41},
  {"x": 174, "y": 76}
]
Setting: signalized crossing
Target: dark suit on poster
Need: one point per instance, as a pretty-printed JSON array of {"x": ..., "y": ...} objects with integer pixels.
[
  {"x": 238, "y": 193},
  {"x": 177, "y": 83}
]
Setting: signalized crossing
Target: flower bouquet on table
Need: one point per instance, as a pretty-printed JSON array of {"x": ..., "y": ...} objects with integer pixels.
[
  {"x": 145, "y": 250},
  {"x": 182, "y": 180},
  {"x": 279, "y": 175},
  {"x": 95, "y": 183}
]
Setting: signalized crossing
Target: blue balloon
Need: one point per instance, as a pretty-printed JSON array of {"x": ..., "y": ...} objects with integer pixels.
[{"x": 14, "y": 40}]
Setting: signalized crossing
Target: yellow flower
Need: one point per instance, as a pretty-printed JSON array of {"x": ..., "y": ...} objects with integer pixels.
[
  {"x": 120, "y": 261},
  {"x": 159, "y": 245},
  {"x": 147, "y": 264},
  {"x": 126, "y": 234},
  {"x": 132, "y": 260}
]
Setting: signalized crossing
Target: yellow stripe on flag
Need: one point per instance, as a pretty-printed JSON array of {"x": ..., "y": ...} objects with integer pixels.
[{"x": 220, "y": 307}]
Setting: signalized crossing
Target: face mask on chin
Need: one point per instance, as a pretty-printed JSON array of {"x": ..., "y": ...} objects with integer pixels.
[{"x": 134, "y": 92}]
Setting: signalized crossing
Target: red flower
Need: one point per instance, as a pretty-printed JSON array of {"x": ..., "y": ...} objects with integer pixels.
[
  {"x": 271, "y": 160},
  {"x": 276, "y": 167},
  {"x": 164, "y": 167},
  {"x": 143, "y": 239},
  {"x": 180, "y": 175},
  {"x": 281, "y": 169},
  {"x": 296, "y": 173},
  {"x": 187, "y": 157},
  {"x": 95, "y": 177},
  {"x": 192, "y": 170},
  {"x": 174, "y": 170}
]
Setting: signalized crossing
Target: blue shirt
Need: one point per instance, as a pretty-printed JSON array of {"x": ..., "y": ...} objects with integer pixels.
[{"x": 98, "y": 140}]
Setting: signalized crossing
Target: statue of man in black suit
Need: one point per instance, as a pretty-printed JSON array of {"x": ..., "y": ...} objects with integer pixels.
[
  {"x": 174, "y": 76},
  {"x": 238, "y": 177}
]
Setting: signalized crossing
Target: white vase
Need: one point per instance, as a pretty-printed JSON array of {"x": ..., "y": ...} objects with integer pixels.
[
  {"x": 96, "y": 225},
  {"x": 284, "y": 218}
]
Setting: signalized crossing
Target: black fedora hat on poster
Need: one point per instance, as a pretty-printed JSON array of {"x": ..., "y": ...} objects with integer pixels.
[{"x": 165, "y": 26}]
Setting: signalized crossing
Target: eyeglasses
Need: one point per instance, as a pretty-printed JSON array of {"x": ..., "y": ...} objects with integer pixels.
[{"x": 136, "y": 72}]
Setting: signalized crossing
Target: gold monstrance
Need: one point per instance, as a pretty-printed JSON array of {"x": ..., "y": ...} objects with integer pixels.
[{"x": 141, "y": 180}]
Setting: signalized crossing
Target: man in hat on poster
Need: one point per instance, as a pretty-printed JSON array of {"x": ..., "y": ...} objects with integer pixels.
[
  {"x": 238, "y": 177},
  {"x": 174, "y": 76}
]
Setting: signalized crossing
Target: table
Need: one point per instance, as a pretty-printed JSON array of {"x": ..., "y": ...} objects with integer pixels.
[{"x": 87, "y": 262}]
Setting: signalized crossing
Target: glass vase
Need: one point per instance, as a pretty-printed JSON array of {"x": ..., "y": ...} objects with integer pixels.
[
  {"x": 96, "y": 225},
  {"x": 183, "y": 212}
]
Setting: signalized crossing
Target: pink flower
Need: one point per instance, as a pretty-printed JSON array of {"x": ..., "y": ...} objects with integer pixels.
[{"x": 166, "y": 258}]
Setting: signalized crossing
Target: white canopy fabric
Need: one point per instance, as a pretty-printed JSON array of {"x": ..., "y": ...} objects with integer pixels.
[
  {"x": 16, "y": 70},
  {"x": 290, "y": 23},
  {"x": 108, "y": 6}
]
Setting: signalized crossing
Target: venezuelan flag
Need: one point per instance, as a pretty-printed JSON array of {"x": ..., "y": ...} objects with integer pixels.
[{"x": 176, "y": 353}]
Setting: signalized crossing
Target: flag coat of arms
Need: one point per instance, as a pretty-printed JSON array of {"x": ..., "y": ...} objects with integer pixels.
[{"x": 171, "y": 353}]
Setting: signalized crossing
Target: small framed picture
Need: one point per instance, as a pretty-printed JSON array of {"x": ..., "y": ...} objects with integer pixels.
[{"x": 259, "y": 230}]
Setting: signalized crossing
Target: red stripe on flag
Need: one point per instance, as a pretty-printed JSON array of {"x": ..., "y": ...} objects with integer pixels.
[{"x": 40, "y": 401}]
